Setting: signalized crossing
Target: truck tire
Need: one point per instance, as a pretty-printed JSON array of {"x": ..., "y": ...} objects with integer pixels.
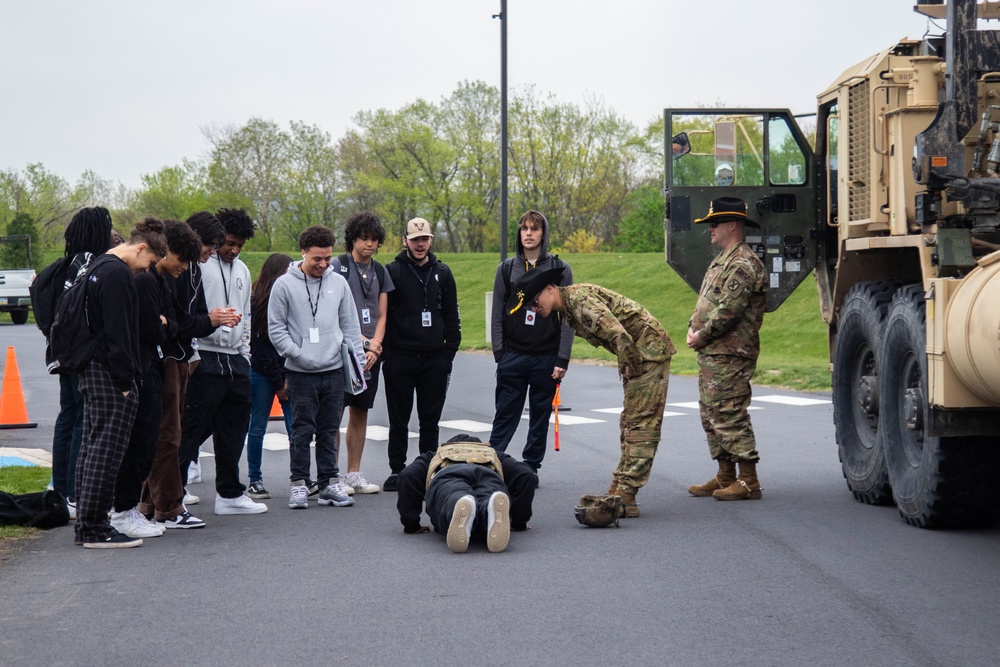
[
  {"x": 936, "y": 482},
  {"x": 19, "y": 316},
  {"x": 857, "y": 353}
]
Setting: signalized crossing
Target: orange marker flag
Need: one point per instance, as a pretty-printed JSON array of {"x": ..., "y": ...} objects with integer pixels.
[{"x": 555, "y": 407}]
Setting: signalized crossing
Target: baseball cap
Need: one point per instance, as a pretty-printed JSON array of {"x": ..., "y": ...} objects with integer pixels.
[{"x": 418, "y": 227}]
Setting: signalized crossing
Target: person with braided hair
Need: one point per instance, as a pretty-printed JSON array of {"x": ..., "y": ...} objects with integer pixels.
[{"x": 88, "y": 235}]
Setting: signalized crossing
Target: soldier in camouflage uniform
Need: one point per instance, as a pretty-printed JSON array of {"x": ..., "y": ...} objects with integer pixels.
[
  {"x": 609, "y": 320},
  {"x": 724, "y": 331}
]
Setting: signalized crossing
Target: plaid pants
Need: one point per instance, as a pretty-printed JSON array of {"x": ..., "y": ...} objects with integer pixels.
[{"x": 107, "y": 424}]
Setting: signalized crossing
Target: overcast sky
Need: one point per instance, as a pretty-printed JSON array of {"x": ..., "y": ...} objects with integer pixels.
[{"x": 125, "y": 88}]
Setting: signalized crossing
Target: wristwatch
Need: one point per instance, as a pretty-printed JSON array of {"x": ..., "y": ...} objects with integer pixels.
[{"x": 367, "y": 344}]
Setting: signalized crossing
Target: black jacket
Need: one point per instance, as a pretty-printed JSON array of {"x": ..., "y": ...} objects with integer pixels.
[
  {"x": 112, "y": 306},
  {"x": 431, "y": 286},
  {"x": 264, "y": 359},
  {"x": 517, "y": 476},
  {"x": 190, "y": 311},
  {"x": 154, "y": 300}
]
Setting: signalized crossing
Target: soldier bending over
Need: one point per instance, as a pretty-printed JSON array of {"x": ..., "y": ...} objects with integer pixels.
[{"x": 609, "y": 320}]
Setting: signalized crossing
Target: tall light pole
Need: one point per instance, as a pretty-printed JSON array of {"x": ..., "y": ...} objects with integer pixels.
[{"x": 503, "y": 128}]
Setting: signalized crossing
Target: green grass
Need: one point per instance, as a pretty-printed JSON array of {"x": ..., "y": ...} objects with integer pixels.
[
  {"x": 18, "y": 480},
  {"x": 793, "y": 339}
]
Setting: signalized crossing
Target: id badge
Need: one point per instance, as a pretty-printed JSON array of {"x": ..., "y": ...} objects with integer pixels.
[
  {"x": 313, "y": 334},
  {"x": 529, "y": 317},
  {"x": 425, "y": 318},
  {"x": 366, "y": 316}
]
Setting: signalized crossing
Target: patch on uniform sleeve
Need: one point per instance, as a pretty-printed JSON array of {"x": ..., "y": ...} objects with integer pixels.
[{"x": 738, "y": 281}]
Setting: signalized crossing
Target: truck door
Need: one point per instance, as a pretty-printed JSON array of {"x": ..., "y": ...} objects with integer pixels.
[{"x": 758, "y": 155}]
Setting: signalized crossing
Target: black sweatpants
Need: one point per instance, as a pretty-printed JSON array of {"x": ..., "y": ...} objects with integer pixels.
[
  {"x": 428, "y": 376},
  {"x": 218, "y": 403},
  {"x": 138, "y": 459},
  {"x": 455, "y": 481}
]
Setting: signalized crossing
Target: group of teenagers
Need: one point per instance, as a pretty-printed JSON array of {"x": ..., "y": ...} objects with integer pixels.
[{"x": 189, "y": 347}]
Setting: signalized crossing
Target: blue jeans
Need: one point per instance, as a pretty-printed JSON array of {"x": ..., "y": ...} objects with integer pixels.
[
  {"x": 317, "y": 404},
  {"x": 67, "y": 436},
  {"x": 261, "y": 400},
  {"x": 520, "y": 376}
]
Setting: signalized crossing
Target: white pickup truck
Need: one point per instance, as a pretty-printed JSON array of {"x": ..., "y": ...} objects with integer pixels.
[{"x": 16, "y": 276}]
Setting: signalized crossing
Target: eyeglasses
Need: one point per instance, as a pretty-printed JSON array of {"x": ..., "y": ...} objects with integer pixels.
[{"x": 713, "y": 225}]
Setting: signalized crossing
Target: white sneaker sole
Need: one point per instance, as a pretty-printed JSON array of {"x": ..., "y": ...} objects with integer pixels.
[
  {"x": 224, "y": 510},
  {"x": 498, "y": 533},
  {"x": 460, "y": 529}
]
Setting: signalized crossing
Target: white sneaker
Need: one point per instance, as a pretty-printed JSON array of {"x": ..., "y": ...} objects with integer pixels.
[
  {"x": 238, "y": 505},
  {"x": 460, "y": 528},
  {"x": 190, "y": 498},
  {"x": 71, "y": 506},
  {"x": 356, "y": 482},
  {"x": 194, "y": 472},
  {"x": 134, "y": 524},
  {"x": 298, "y": 496},
  {"x": 498, "y": 522}
]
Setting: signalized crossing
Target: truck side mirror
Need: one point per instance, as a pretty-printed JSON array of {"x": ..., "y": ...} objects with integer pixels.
[{"x": 680, "y": 145}]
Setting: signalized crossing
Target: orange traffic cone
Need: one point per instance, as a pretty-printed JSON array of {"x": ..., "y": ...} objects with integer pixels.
[
  {"x": 276, "y": 413},
  {"x": 13, "y": 411}
]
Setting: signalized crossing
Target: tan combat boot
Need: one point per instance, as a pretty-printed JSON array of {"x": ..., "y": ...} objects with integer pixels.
[
  {"x": 746, "y": 486},
  {"x": 613, "y": 489},
  {"x": 631, "y": 507},
  {"x": 726, "y": 476}
]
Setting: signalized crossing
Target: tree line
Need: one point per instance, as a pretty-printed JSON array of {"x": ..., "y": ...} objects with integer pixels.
[{"x": 595, "y": 175}]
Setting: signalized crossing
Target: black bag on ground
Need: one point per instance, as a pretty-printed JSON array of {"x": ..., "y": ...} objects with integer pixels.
[
  {"x": 45, "y": 509},
  {"x": 71, "y": 340}
]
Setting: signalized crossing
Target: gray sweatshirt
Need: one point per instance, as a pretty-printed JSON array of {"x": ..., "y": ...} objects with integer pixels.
[{"x": 290, "y": 317}]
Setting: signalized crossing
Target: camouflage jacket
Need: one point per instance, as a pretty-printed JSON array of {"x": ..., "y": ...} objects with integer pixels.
[
  {"x": 730, "y": 306},
  {"x": 478, "y": 453},
  {"x": 607, "y": 319}
]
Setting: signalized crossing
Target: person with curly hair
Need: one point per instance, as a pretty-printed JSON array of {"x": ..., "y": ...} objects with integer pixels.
[
  {"x": 370, "y": 285},
  {"x": 310, "y": 334},
  {"x": 218, "y": 396}
]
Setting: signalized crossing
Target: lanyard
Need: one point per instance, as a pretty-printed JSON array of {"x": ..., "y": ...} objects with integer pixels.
[
  {"x": 226, "y": 287},
  {"x": 319, "y": 294},
  {"x": 423, "y": 282}
]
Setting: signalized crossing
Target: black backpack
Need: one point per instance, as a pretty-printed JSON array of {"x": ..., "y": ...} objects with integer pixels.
[
  {"x": 46, "y": 290},
  {"x": 71, "y": 340},
  {"x": 45, "y": 509},
  {"x": 508, "y": 266}
]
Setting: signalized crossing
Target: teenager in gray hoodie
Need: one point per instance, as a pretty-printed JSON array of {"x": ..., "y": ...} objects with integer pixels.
[{"x": 308, "y": 334}]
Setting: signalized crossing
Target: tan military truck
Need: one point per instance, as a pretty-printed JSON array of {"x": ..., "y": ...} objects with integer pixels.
[
  {"x": 897, "y": 212},
  {"x": 16, "y": 276}
]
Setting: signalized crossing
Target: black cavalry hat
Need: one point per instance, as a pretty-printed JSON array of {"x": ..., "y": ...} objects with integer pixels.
[
  {"x": 728, "y": 209},
  {"x": 527, "y": 287}
]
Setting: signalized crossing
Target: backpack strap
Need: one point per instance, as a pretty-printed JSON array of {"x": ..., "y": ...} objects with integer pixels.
[{"x": 508, "y": 266}]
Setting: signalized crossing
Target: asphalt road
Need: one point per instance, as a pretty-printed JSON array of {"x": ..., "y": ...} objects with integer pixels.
[{"x": 804, "y": 576}]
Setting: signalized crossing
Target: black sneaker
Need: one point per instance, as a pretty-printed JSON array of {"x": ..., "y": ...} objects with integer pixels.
[
  {"x": 257, "y": 491},
  {"x": 116, "y": 541},
  {"x": 313, "y": 487},
  {"x": 390, "y": 482}
]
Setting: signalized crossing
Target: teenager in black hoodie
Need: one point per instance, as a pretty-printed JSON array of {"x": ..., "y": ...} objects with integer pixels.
[{"x": 423, "y": 332}]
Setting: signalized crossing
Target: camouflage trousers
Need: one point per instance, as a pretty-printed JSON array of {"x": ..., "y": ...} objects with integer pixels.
[
  {"x": 724, "y": 396},
  {"x": 641, "y": 419}
]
